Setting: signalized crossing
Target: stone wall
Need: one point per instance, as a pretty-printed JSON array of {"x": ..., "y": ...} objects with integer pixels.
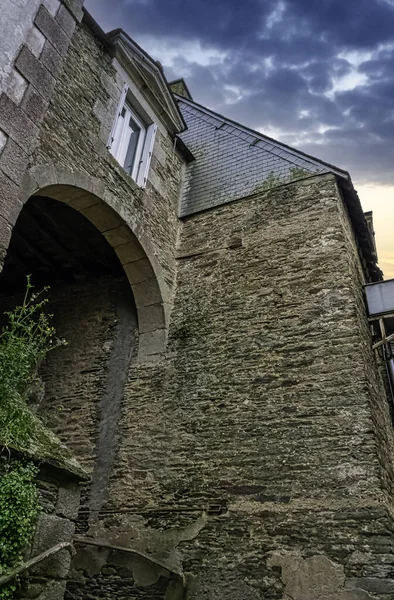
[
  {"x": 59, "y": 496},
  {"x": 84, "y": 381},
  {"x": 33, "y": 46},
  {"x": 72, "y": 138},
  {"x": 269, "y": 402}
]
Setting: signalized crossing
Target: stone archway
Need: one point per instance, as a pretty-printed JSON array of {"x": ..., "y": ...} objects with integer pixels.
[{"x": 90, "y": 197}]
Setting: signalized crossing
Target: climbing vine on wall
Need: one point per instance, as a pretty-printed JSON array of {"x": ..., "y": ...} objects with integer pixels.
[
  {"x": 24, "y": 343},
  {"x": 18, "y": 513}
]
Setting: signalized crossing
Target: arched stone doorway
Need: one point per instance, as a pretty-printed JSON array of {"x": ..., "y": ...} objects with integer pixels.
[{"x": 107, "y": 304}]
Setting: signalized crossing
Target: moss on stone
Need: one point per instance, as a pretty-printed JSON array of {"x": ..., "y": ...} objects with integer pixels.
[{"x": 40, "y": 444}]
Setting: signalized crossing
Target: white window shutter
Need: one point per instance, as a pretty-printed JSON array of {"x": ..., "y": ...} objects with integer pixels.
[
  {"x": 146, "y": 155},
  {"x": 117, "y": 114}
]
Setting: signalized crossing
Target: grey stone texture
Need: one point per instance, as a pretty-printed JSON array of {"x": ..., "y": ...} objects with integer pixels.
[
  {"x": 16, "y": 20},
  {"x": 35, "y": 72},
  {"x": 46, "y": 581},
  {"x": 52, "y": 30}
]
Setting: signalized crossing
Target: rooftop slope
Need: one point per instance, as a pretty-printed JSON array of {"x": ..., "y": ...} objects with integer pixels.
[{"x": 233, "y": 161}]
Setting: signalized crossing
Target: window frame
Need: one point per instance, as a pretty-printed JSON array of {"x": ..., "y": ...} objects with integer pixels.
[{"x": 118, "y": 143}]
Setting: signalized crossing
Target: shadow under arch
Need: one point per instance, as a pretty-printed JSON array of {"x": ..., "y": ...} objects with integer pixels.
[{"x": 89, "y": 196}]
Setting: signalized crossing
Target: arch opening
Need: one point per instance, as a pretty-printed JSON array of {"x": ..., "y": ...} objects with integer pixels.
[{"x": 106, "y": 303}]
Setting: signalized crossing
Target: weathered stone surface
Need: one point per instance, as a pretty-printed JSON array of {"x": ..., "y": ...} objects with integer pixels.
[
  {"x": 66, "y": 20},
  {"x": 35, "y": 72},
  {"x": 16, "y": 86},
  {"x": 315, "y": 578},
  {"x": 15, "y": 123},
  {"x": 52, "y": 30},
  {"x": 51, "y": 58},
  {"x": 13, "y": 161},
  {"x": 50, "y": 531},
  {"x": 68, "y": 501},
  {"x": 34, "y": 105},
  {"x": 35, "y": 41},
  {"x": 10, "y": 205}
]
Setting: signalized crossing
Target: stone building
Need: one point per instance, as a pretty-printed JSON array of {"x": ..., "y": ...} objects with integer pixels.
[{"x": 226, "y": 421}]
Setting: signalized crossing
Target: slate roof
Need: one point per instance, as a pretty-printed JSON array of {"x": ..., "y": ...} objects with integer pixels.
[{"x": 233, "y": 161}]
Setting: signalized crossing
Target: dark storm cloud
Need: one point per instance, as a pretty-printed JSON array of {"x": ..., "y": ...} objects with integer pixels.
[{"x": 283, "y": 65}]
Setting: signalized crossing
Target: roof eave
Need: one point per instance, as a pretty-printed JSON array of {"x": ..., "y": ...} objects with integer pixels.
[{"x": 368, "y": 254}]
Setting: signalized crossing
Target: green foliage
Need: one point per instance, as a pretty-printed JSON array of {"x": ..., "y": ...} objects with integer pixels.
[
  {"x": 298, "y": 173},
  {"x": 272, "y": 180},
  {"x": 24, "y": 344},
  {"x": 18, "y": 514}
]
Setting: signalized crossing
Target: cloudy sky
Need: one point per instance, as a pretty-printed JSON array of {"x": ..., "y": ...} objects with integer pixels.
[{"x": 316, "y": 74}]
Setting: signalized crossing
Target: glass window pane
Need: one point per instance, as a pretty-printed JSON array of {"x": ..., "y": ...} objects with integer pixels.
[{"x": 130, "y": 155}]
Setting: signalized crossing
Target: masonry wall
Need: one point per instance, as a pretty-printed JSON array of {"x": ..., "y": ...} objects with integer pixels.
[
  {"x": 269, "y": 403},
  {"x": 74, "y": 136},
  {"x": 59, "y": 493}
]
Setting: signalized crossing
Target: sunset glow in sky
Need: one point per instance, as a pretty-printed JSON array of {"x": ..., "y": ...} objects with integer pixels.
[{"x": 315, "y": 74}]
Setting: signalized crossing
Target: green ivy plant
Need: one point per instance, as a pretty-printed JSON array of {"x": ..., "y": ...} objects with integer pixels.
[
  {"x": 24, "y": 343},
  {"x": 18, "y": 514}
]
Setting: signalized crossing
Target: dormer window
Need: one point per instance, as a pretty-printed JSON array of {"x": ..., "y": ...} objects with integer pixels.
[{"x": 132, "y": 139}]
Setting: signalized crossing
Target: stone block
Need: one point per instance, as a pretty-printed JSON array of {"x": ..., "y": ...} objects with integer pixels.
[
  {"x": 5, "y": 236},
  {"x": 52, "y": 30},
  {"x": 3, "y": 140},
  {"x": 52, "y": 6},
  {"x": 64, "y": 193},
  {"x": 51, "y": 59},
  {"x": 153, "y": 342},
  {"x": 27, "y": 188},
  {"x": 35, "y": 41},
  {"x": 75, "y": 8},
  {"x": 53, "y": 590},
  {"x": 111, "y": 86},
  {"x": 15, "y": 123},
  {"x": 34, "y": 105},
  {"x": 375, "y": 585},
  {"x": 50, "y": 531},
  {"x": 147, "y": 293},
  {"x": 139, "y": 271},
  {"x": 10, "y": 205},
  {"x": 102, "y": 216},
  {"x": 119, "y": 235},
  {"x": 84, "y": 201},
  {"x": 44, "y": 176},
  {"x": 66, "y": 20},
  {"x": 151, "y": 318},
  {"x": 16, "y": 86},
  {"x": 68, "y": 501},
  {"x": 14, "y": 161},
  {"x": 35, "y": 72},
  {"x": 130, "y": 252}
]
